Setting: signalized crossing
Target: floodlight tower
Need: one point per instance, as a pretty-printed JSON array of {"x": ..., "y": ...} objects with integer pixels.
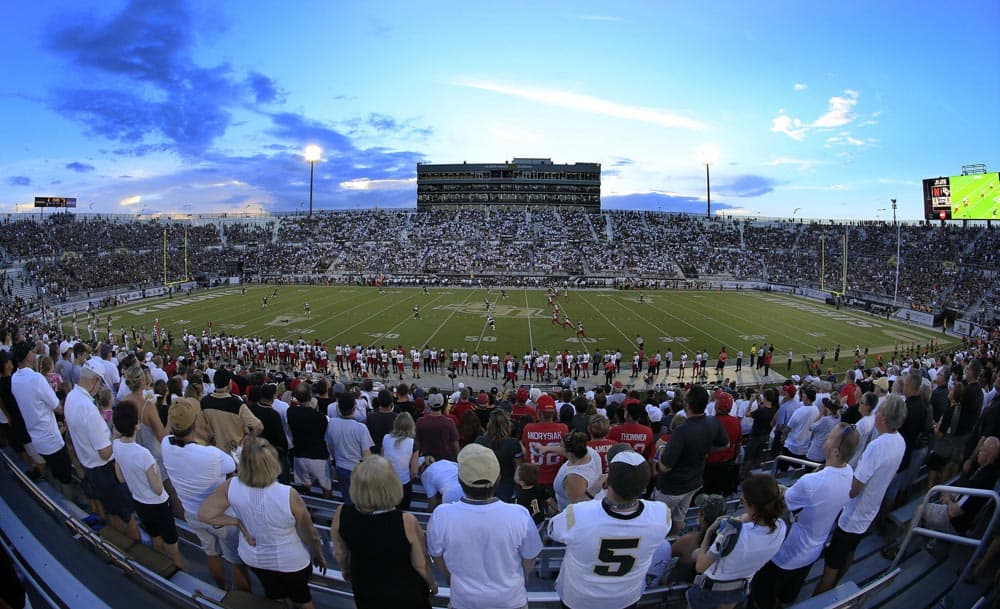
[
  {"x": 708, "y": 153},
  {"x": 895, "y": 291},
  {"x": 312, "y": 154}
]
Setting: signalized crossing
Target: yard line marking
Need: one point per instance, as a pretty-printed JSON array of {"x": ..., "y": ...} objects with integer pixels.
[
  {"x": 375, "y": 314},
  {"x": 690, "y": 325},
  {"x": 531, "y": 341},
  {"x": 446, "y": 319},
  {"x": 613, "y": 325},
  {"x": 483, "y": 331}
]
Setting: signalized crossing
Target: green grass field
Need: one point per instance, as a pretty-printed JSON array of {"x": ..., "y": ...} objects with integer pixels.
[{"x": 456, "y": 318}]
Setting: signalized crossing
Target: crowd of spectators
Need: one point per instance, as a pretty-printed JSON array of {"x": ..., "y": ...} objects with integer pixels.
[{"x": 939, "y": 266}]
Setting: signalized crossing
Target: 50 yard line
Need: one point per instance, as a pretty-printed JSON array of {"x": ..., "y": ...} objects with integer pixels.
[
  {"x": 446, "y": 319},
  {"x": 531, "y": 341}
]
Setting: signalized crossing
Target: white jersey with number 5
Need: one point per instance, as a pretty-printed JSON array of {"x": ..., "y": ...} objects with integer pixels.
[{"x": 607, "y": 553}]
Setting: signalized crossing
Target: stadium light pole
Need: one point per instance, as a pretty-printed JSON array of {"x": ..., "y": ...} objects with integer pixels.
[
  {"x": 708, "y": 153},
  {"x": 312, "y": 154},
  {"x": 895, "y": 291}
]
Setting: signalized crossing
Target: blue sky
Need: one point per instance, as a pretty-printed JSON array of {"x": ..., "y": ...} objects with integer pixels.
[{"x": 816, "y": 109}]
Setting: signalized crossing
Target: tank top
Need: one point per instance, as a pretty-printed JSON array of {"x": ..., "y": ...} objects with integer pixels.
[
  {"x": 381, "y": 573},
  {"x": 590, "y": 471},
  {"x": 146, "y": 438},
  {"x": 267, "y": 515}
]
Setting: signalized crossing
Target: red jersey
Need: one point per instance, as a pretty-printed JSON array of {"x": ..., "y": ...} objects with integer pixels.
[
  {"x": 536, "y": 435},
  {"x": 459, "y": 409},
  {"x": 602, "y": 446},
  {"x": 732, "y": 426},
  {"x": 640, "y": 437}
]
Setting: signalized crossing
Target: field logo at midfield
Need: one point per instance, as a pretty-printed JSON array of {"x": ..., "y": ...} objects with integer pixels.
[
  {"x": 496, "y": 310},
  {"x": 823, "y": 312}
]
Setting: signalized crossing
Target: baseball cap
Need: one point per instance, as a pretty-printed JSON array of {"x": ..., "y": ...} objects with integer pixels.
[
  {"x": 617, "y": 385},
  {"x": 106, "y": 349},
  {"x": 796, "y": 378},
  {"x": 338, "y": 388},
  {"x": 522, "y": 395},
  {"x": 435, "y": 401},
  {"x": 182, "y": 414},
  {"x": 723, "y": 402},
  {"x": 97, "y": 367},
  {"x": 483, "y": 398},
  {"x": 478, "y": 466},
  {"x": 712, "y": 506},
  {"x": 629, "y": 457},
  {"x": 65, "y": 346},
  {"x": 546, "y": 403},
  {"x": 789, "y": 390}
]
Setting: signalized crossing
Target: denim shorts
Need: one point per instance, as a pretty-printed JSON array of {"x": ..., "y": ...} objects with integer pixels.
[{"x": 699, "y": 598}]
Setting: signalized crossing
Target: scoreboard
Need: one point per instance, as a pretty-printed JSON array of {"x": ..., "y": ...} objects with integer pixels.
[
  {"x": 937, "y": 199},
  {"x": 55, "y": 201}
]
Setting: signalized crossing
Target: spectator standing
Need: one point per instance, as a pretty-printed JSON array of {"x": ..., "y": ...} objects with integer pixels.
[
  {"x": 437, "y": 435},
  {"x": 815, "y": 499},
  {"x": 228, "y": 419},
  {"x": 622, "y": 531},
  {"x": 875, "y": 472},
  {"x": 483, "y": 545},
  {"x": 380, "y": 422},
  {"x": 720, "y": 476},
  {"x": 579, "y": 477},
  {"x": 681, "y": 462},
  {"x": 308, "y": 426},
  {"x": 38, "y": 405},
  {"x": 507, "y": 449},
  {"x": 196, "y": 471},
  {"x": 399, "y": 448},
  {"x": 379, "y": 548},
  {"x": 277, "y": 537},
  {"x": 138, "y": 469},
  {"x": 348, "y": 441},
  {"x": 545, "y": 434}
]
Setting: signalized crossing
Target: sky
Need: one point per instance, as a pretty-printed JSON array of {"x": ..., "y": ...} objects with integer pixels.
[{"x": 803, "y": 108}]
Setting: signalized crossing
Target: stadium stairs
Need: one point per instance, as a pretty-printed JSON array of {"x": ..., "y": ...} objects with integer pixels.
[{"x": 73, "y": 566}]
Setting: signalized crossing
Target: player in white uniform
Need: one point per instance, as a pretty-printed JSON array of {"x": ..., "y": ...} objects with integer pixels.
[{"x": 610, "y": 541}]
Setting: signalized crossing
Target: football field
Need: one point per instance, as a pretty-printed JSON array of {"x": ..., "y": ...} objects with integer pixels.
[{"x": 456, "y": 318}]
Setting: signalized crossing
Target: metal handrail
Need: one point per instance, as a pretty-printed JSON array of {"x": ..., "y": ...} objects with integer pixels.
[
  {"x": 793, "y": 461},
  {"x": 980, "y": 543}
]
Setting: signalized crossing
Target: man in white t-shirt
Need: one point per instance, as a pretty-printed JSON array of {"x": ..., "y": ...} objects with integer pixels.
[
  {"x": 610, "y": 542},
  {"x": 92, "y": 445},
  {"x": 814, "y": 500},
  {"x": 439, "y": 477},
  {"x": 196, "y": 471},
  {"x": 484, "y": 546},
  {"x": 875, "y": 471},
  {"x": 38, "y": 404},
  {"x": 797, "y": 436}
]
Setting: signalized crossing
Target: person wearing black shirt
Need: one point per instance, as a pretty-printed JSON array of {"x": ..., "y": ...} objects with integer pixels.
[
  {"x": 261, "y": 405},
  {"x": 681, "y": 461},
  {"x": 761, "y": 429},
  {"x": 308, "y": 428},
  {"x": 380, "y": 422}
]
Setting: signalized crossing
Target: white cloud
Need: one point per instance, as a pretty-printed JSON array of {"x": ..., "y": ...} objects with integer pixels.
[
  {"x": 594, "y": 105},
  {"x": 366, "y": 184},
  {"x": 800, "y": 163},
  {"x": 133, "y": 200},
  {"x": 792, "y": 127},
  {"x": 840, "y": 112},
  {"x": 800, "y": 86}
]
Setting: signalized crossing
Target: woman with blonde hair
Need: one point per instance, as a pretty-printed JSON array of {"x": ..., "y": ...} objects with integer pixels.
[
  {"x": 377, "y": 543},
  {"x": 399, "y": 448},
  {"x": 45, "y": 368},
  {"x": 278, "y": 540},
  {"x": 150, "y": 432}
]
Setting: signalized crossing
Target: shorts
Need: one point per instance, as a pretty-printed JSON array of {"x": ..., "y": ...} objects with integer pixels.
[
  {"x": 935, "y": 516},
  {"x": 158, "y": 520},
  {"x": 216, "y": 541},
  {"x": 699, "y": 598},
  {"x": 279, "y": 585},
  {"x": 308, "y": 470},
  {"x": 774, "y": 583},
  {"x": 59, "y": 463},
  {"x": 678, "y": 504},
  {"x": 100, "y": 483},
  {"x": 842, "y": 545}
]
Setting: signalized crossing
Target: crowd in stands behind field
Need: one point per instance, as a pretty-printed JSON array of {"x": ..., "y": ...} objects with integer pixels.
[
  {"x": 939, "y": 267},
  {"x": 592, "y": 462}
]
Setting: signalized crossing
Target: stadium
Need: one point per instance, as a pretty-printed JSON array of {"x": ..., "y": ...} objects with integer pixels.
[{"x": 576, "y": 305}]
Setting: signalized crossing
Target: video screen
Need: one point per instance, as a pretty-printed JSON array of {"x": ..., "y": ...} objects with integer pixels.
[
  {"x": 975, "y": 197},
  {"x": 937, "y": 199}
]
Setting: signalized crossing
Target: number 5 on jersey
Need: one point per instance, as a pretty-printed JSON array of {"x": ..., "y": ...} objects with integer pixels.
[{"x": 616, "y": 564}]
